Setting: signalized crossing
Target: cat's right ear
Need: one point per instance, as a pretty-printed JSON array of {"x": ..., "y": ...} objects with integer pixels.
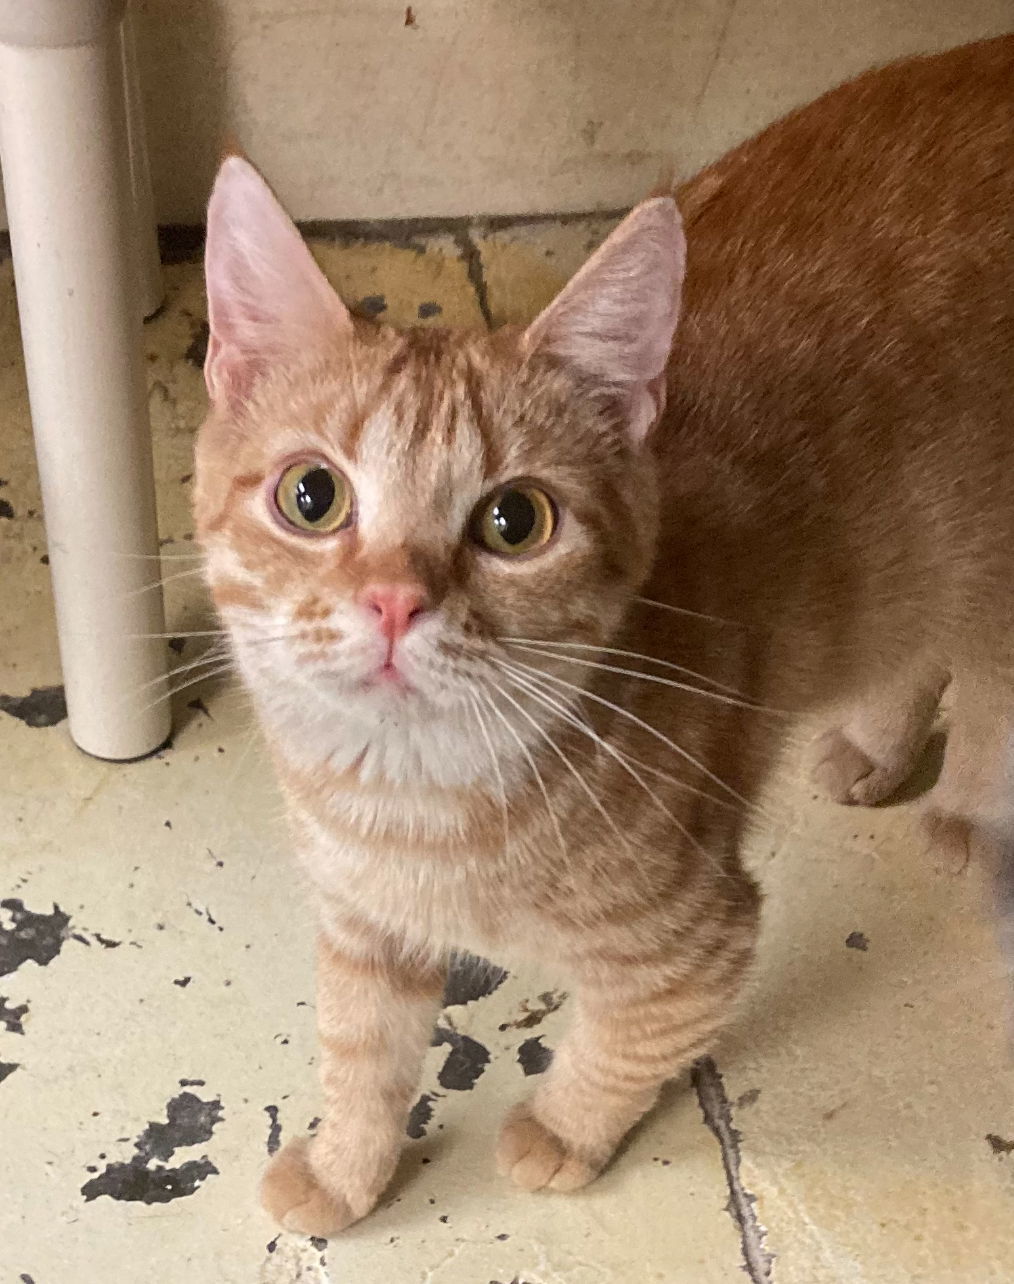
[{"x": 268, "y": 301}]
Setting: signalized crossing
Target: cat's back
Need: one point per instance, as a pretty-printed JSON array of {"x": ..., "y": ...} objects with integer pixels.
[{"x": 850, "y": 268}]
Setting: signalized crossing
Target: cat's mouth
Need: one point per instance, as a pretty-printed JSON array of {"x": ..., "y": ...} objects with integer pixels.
[{"x": 388, "y": 676}]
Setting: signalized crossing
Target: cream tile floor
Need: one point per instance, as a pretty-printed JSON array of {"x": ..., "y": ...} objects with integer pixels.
[{"x": 156, "y": 1038}]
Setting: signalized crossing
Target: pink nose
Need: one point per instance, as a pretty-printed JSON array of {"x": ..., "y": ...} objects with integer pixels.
[{"x": 395, "y": 605}]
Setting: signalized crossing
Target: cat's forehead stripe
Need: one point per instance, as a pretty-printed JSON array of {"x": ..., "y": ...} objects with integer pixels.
[{"x": 429, "y": 397}]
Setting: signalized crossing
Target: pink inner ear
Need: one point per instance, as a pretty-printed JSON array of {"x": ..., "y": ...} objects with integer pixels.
[
  {"x": 616, "y": 318},
  {"x": 268, "y": 302}
]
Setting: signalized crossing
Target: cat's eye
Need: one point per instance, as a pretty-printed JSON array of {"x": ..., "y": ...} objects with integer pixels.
[
  {"x": 516, "y": 519},
  {"x": 314, "y": 497}
]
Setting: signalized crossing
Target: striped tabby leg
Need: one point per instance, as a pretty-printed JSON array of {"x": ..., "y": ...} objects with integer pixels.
[
  {"x": 606, "y": 1074},
  {"x": 375, "y": 1014}
]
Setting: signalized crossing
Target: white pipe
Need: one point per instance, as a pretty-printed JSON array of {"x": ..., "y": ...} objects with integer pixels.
[
  {"x": 63, "y": 149},
  {"x": 150, "y": 267}
]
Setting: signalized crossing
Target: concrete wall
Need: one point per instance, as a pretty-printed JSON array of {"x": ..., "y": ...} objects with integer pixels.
[{"x": 363, "y": 109}]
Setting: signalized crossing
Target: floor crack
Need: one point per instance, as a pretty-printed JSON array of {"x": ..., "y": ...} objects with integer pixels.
[
  {"x": 757, "y": 1260},
  {"x": 472, "y": 257}
]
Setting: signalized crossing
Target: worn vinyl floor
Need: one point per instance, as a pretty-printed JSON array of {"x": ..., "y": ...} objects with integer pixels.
[{"x": 156, "y": 1034}]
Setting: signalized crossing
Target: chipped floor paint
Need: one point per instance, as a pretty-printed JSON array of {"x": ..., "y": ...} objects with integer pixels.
[{"x": 156, "y": 1029}]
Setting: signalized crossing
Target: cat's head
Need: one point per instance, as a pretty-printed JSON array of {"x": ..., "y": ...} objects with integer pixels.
[{"x": 382, "y": 511}]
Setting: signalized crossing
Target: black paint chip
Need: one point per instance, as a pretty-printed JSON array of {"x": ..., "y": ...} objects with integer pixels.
[
  {"x": 999, "y": 1145},
  {"x": 29, "y": 937},
  {"x": 189, "y": 1122},
  {"x": 857, "y": 941},
  {"x": 202, "y": 911},
  {"x": 319, "y": 1242},
  {"x": 134, "y": 1182},
  {"x": 11, "y": 1018},
  {"x": 465, "y": 1062},
  {"x": 7, "y": 1068},
  {"x": 6, "y": 510},
  {"x": 274, "y": 1129},
  {"x": 420, "y": 1115},
  {"x": 470, "y": 978},
  {"x": 182, "y": 981},
  {"x": 533, "y": 1056},
  {"x": 176, "y": 645},
  {"x": 41, "y": 707},
  {"x": 429, "y": 309},
  {"x": 372, "y": 306},
  {"x": 198, "y": 349}
]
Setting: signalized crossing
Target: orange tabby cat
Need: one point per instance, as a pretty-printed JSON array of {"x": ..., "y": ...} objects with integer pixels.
[{"x": 479, "y": 588}]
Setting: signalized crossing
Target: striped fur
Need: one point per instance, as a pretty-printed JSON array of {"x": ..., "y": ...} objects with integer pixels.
[{"x": 568, "y": 773}]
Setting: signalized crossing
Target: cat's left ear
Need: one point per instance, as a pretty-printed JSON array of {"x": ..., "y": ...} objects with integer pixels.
[
  {"x": 615, "y": 320},
  {"x": 268, "y": 301}
]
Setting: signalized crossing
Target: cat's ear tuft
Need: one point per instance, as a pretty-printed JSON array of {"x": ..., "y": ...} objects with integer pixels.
[
  {"x": 267, "y": 299},
  {"x": 615, "y": 320}
]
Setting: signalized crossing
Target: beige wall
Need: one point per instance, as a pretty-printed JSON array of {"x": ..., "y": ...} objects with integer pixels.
[{"x": 496, "y": 106}]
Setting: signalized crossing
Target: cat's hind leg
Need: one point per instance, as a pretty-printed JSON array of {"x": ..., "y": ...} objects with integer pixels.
[
  {"x": 970, "y": 812},
  {"x": 877, "y": 741}
]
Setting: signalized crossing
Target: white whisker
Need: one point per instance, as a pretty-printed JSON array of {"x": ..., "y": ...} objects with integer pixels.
[
  {"x": 549, "y": 702},
  {"x": 193, "y": 633},
  {"x": 211, "y": 656},
  {"x": 650, "y": 677},
  {"x": 566, "y": 762},
  {"x": 160, "y": 557},
  {"x": 657, "y": 771},
  {"x": 535, "y": 772},
  {"x": 190, "y": 682},
  {"x": 682, "y": 610},
  {"x": 645, "y": 726},
  {"x": 570, "y": 711},
  {"x": 166, "y": 579},
  {"x": 632, "y": 655},
  {"x": 249, "y": 742},
  {"x": 496, "y": 767}
]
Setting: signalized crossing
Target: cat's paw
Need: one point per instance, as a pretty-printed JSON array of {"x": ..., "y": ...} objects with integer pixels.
[
  {"x": 536, "y": 1158},
  {"x": 294, "y": 1196},
  {"x": 844, "y": 773}
]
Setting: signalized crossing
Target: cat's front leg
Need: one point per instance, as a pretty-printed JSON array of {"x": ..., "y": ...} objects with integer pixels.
[
  {"x": 632, "y": 1032},
  {"x": 376, "y": 1008}
]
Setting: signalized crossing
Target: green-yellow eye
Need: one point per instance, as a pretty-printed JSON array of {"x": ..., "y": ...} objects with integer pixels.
[
  {"x": 314, "y": 497},
  {"x": 516, "y": 519}
]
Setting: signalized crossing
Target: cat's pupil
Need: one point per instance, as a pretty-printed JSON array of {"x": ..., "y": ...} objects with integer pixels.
[
  {"x": 315, "y": 494},
  {"x": 514, "y": 516}
]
